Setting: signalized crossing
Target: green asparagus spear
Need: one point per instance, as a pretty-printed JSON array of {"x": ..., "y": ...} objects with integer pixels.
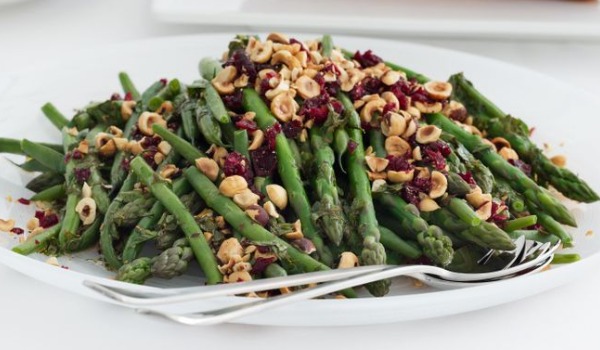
[
  {"x": 514, "y": 200},
  {"x": 208, "y": 125},
  {"x": 128, "y": 86},
  {"x": 288, "y": 171},
  {"x": 54, "y": 116},
  {"x": 38, "y": 242},
  {"x": 394, "y": 243},
  {"x": 50, "y": 194},
  {"x": 45, "y": 155},
  {"x": 520, "y": 223},
  {"x": 44, "y": 181},
  {"x": 240, "y": 143},
  {"x": 137, "y": 271},
  {"x": 198, "y": 243},
  {"x": 534, "y": 235},
  {"x": 518, "y": 180},
  {"x": 172, "y": 262},
  {"x": 490, "y": 118},
  {"x": 463, "y": 211},
  {"x": 209, "y": 68}
]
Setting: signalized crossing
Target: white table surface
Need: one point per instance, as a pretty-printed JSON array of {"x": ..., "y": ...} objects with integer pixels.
[{"x": 37, "y": 316}]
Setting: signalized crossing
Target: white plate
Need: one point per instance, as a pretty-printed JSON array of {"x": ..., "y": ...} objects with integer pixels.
[
  {"x": 522, "y": 19},
  {"x": 561, "y": 114}
]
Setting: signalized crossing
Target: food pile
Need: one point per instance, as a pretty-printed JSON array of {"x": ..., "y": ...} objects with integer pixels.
[{"x": 288, "y": 157}]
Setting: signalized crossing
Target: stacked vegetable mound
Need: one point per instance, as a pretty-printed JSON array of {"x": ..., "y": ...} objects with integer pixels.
[{"x": 291, "y": 157}]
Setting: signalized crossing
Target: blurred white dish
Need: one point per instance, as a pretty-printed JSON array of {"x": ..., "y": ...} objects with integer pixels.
[{"x": 92, "y": 75}]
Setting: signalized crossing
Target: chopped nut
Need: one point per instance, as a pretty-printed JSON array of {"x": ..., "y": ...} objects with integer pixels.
[
  {"x": 439, "y": 90},
  {"x": 86, "y": 208},
  {"x": 232, "y": 185},
  {"x": 53, "y": 261},
  {"x": 428, "y": 205},
  {"x": 158, "y": 157},
  {"x": 376, "y": 176},
  {"x": 390, "y": 77},
  {"x": 164, "y": 147},
  {"x": 7, "y": 225},
  {"x": 348, "y": 260},
  {"x": 245, "y": 198},
  {"x": 258, "y": 137},
  {"x": 278, "y": 38},
  {"x": 223, "y": 81},
  {"x": 500, "y": 142},
  {"x": 371, "y": 108},
  {"x": 439, "y": 184},
  {"x": 489, "y": 143},
  {"x": 484, "y": 212},
  {"x": 560, "y": 161},
  {"x": 258, "y": 214},
  {"x": 168, "y": 171},
  {"x": 400, "y": 176},
  {"x": 477, "y": 199},
  {"x": 208, "y": 167},
  {"x": 147, "y": 119},
  {"x": 456, "y": 111},
  {"x": 86, "y": 190},
  {"x": 428, "y": 134},
  {"x": 84, "y": 146},
  {"x": 270, "y": 209},
  {"x": 32, "y": 224},
  {"x": 416, "y": 153},
  {"x": 218, "y": 154},
  {"x": 376, "y": 164},
  {"x": 283, "y": 107},
  {"x": 127, "y": 109},
  {"x": 115, "y": 131},
  {"x": 278, "y": 195},
  {"x": 428, "y": 107},
  {"x": 239, "y": 276},
  {"x": 378, "y": 185},
  {"x": 411, "y": 128},
  {"x": 508, "y": 153},
  {"x": 389, "y": 97},
  {"x": 73, "y": 131},
  {"x": 208, "y": 236},
  {"x": 393, "y": 124},
  {"x": 121, "y": 143},
  {"x": 396, "y": 146},
  {"x": 286, "y": 57},
  {"x": 230, "y": 248},
  {"x": 307, "y": 87},
  {"x": 260, "y": 52},
  {"x": 414, "y": 112},
  {"x": 135, "y": 147},
  {"x": 282, "y": 87}
]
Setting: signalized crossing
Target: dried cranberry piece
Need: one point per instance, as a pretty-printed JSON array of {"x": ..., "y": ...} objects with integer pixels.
[
  {"x": 497, "y": 217},
  {"x": 173, "y": 125},
  {"x": 421, "y": 183},
  {"x": 115, "y": 97},
  {"x": 150, "y": 141},
  {"x": 468, "y": 177},
  {"x": 17, "y": 231},
  {"x": 260, "y": 264},
  {"x": 82, "y": 174},
  {"x": 24, "y": 201},
  {"x": 39, "y": 214},
  {"x": 292, "y": 129},
  {"x": 316, "y": 108},
  {"x": 439, "y": 146},
  {"x": 264, "y": 161},
  {"x": 521, "y": 165},
  {"x": 367, "y": 59},
  {"x": 372, "y": 85},
  {"x": 352, "y": 146},
  {"x": 233, "y": 102},
  {"x": 76, "y": 154},
  {"x": 399, "y": 90},
  {"x": 164, "y": 81},
  {"x": 410, "y": 193},
  {"x": 48, "y": 220},
  {"x": 125, "y": 164},
  {"x": 271, "y": 134},
  {"x": 389, "y": 107},
  {"x": 128, "y": 96},
  {"x": 237, "y": 164},
  {"x": 148, "y": 156},
  {"x": 263, "y": 249},
  {"x": 398, "y": 163},
  {"x": 240, "y": 60},
  {"x": 296, "y": 41},
  {"x": 246, "y": 124},
  {"x": 435, "y": 158},
  {"x": 357, "y": 92}
]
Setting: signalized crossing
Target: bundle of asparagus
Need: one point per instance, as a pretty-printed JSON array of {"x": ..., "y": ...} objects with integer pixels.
[{"x": 290, "y": 157}]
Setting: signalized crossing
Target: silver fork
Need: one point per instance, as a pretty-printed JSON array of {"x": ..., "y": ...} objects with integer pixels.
[{"x": 431, "y": 275}]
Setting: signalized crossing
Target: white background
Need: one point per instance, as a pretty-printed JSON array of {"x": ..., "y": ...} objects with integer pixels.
[{"x": 36, "y": 316}]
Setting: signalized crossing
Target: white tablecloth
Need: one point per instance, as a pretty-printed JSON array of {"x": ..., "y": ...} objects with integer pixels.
[{"x": 34, "y": 315}]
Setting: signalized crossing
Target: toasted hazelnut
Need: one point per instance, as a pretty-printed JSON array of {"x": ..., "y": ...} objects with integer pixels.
[
  {"x": 278, "y": 38},
  {"x": 158, "y": 157},
  {"x": 218, "y": 154},
  {"x": 489, "y": 143},
  {"x": 127, "y": 109},
  {"x": 242, "y": 81},
  {"x": 348, "y": 260},
  {"x": 500, "y": 142},
  {"x": 286, "y": 57},
  {"x": 389, "y": 97},
  {"x": 147, "y": 119},
  {"x": 73, "y": 131},
  {"x": 390, "y": 77},
  {"x": 232, "y": 185},
  {"x": 396, "y": 146},
  {"x": 7, "y": 225},
  {"x": 86, "y": 191},
  {"x": 239, "y": 276},
  {"x": 165, "y": 107},
  {"x": 477, "y": 199},
  {"x": 415, "y": 113},
  {"x": 134, "y": 147},
  {"x": 560, "y": 161},
  {"x": 121, "y": 143},
  {"x": 208, "y": 167},
  {"x": 258, "y": 214},
  {"x": 260, "y": 52},
  {"x": 427, "y": 205},
  {"x": 411, "y": 129},
  {"x": 372, "y": 107},
  {"x": 400, "y": 176},
  {"x": 302, "y": 57},
  {"x": 168, "y": 171},
  {"x": 53, "y": 261},
  {"x": 439, "y": 90},
  {"x": 283, "y": 107},
  {"x": 456, "y": 111},
  {"x": 278, "y": 195},
  {"x": 282, "y": 87},
  {"x": 378, "y": 185},
  {"x": 258, "y": 137},
  {"x": 32, "y": 224},
  {"x": 484, "y": 212},
  {"x": 307, "y": 87},
  {"x": 86, "y": 208},
  {"x": 416, "y": 153},
  {"x": 393, "y": 124},
  {"x": 270, "y": 209},
  {"x": 223, "y": 81},
  {"x": 304, "y": 245},
  {"x": 376, "y": 176},
  {"x": 508, "y": 153},
  {"x": 428, "y": 134},
  {"x": 376, "y": 164},
  {"x": 101, "y": 139},
  {"x": 245, "y": 198},
  {"x": 84, "y": 146},
  {"x": 439, "y": 184},
  {"x": 108, "y": 149},
  {"x": 229, "y": 248},
  {"x": 428, "y": 107},
  {"x": 115, "y": 131},
  {"x": 164, "y": 147}
]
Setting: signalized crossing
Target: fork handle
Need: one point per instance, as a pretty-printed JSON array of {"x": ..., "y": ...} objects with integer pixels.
[{"x": 233, "y": 312}]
